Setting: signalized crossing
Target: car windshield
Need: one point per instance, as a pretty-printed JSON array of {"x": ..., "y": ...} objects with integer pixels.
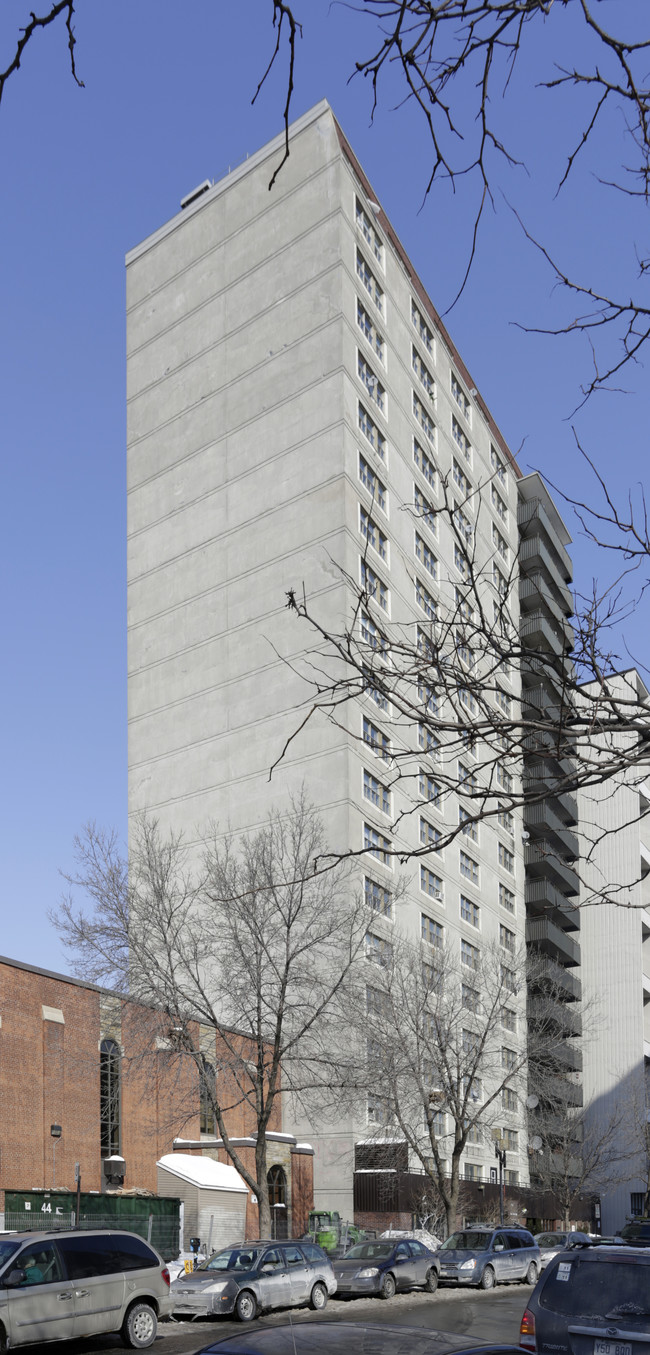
[
  {"x": 233, "y": 1258},
  {"x": 467, "y": 1242},
  {"x": 549, "y": 1240},
  {"x": 369, "y": 1251},
  {"x": 592, "y": 1289},
  {"x": 7, "y": 1249}
]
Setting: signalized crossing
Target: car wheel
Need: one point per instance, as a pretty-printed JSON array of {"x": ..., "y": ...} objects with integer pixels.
[
  {"x": 387, "y": 1287},
  {"x": 246, "y": 1306},
  {"x": 431, "y": 1282},
  {"x": 531, "y": 1274},
  {"x": 318, "y": 1298},
  {"x": 140, "y": 1326},
  {"x": 487, "y": 1278}
]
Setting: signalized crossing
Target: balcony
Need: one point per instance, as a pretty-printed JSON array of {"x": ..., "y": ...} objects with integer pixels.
[
  {"x": 535, "y": 593},
  {"x": 556, "y": 980},
  {"x": 542, "y": 861},
  {"x": 544, "y": 900},
  {"x": 564, "y": 1092},
  {"x": 569, "y": 1056},
  {"x": 543, "y": 816},
  {"x": 539, "y": 535},
  {"x": 551, "y": 940},
  {"x": 555, "y": 1016},
  {"x": 538, "y": 630}
]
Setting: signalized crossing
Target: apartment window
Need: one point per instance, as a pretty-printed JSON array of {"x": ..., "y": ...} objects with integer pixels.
[
  {"x": 376, "y": 792},
  {"x": 373, "y": 534},
  {"x": 424, "y": 644},
  {"x": 423, "y": 418},
  {"x": 460, "y": 479},
  {"x": 460, "y": 438},
  {"x": 469, "y": 825},
  {"x": 372, "y": 483},
  {"x": 472, "y": 1086},
  {"x": 370, "y": 688},
  {"x": 368, "y": 231},
  {"x": 432, "y": 931},
  {"x": 376, "y": 739},
  {"x": 507, "y": 938},
  {"x": 378, "y": 950},
  {"x": 474, "y": 1134},
  {"x": 506, "y": 859},
  {"x": 468, "y": 700},
  {"x": 637, "y": 1199},
  {"x": 465, "y": 653},
  {"x": 438, "y": 1124},
  {"x": 429, "y": 698},
  {"x": 378, "y": 1110},
  {"x": 370, "y": 331},
  {"x": 472, "y": 1172},
  {"x": 377, "y": 1002},
  {"x": 378, "y": 897},
  {"x": 509, "y": 980},
  {"x": 467, "y": 779},
  {"x": 511, "y": 1140},
  {"x": 429, "y": 742},
  {"x": 460, "y": 396},
  {"x": 509, "y": 1099},
  {"x": 506, "y": 898},
  {"x": 463, "y": 525},
  {"x": 469, "y": 911},
  {"x": 509, "y": 1019},
  {"x": 369, "y": 281},
  {"x": 422, "y": 328},
  {"x": 371, "y": 432},
  {"x": 377, "y": 845},
  {"x": 424, "y": 509},
  {"x": 470, "y": 998},
  {"x": 426, "y": 556},
  {"x": 505, "y": 820},
  {"x": 461, "y": 562},
  {"x": 508, "y": 1059},
  {"x": 429, "y": 836},
  {"x": 511, "y": 1178},
  {"x": 498, "y": 504},
  {"x": 425, "y": 465},
  {"x": 498, "y": 466},
  {"x": 371, "y": 382},
  {"x": 500, "y": 543},
  {"x": 470, "y": 1042},
  {"x": 428, "y": 787},
  {"x": 503, "y": 700},
  {"x": 374, "y": 586},
  {"x": 464, "y": 608},
  {"x": 469, "y": 868},
  {"x": 425, "y": 600},
  {"x": 503, "y": 778},
  {"x": 469, "y": 955},
  {"x": 500, "y": 581},
  {"x": 372, "y": 635},
  {"x": 422, "y": 372}
]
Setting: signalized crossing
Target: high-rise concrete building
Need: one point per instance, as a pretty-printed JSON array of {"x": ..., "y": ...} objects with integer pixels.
[{"x": 295, "y": 406}]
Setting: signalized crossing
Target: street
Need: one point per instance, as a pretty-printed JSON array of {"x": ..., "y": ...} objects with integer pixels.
[{"x": 491, "y": 1316}]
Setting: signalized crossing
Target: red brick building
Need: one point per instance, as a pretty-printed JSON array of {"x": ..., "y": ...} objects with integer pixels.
[{"x": 71, "y": 1055}]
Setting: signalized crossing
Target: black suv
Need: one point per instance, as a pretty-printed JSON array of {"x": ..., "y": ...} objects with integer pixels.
[{"x": 591, "y": 1301}]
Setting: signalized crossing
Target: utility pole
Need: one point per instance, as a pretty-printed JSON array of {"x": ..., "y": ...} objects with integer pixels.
[{"x": 77, "y": 1177}]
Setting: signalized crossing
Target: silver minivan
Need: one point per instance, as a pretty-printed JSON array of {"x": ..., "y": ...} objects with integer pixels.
[
  {"x": 489, "y": 1256},
  {"x": 58, "y": 1286}
]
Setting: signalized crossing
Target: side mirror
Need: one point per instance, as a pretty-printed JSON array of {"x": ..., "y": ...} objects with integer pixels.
[
  {"x": 498, "y": 1246},
  {"x": 14, "y": 1278},
  {"x": 268, "y": 1266}
]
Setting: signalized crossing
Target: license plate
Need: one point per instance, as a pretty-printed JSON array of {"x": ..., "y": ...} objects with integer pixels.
[{"x": 612, "y": 1348}]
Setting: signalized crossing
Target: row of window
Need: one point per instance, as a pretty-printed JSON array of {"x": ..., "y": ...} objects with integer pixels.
[{"x": 380, "y": 896}]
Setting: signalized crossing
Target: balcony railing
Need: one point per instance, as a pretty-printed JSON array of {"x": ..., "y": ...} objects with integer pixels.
[
  {"x": 541, "y": 859},
  {"x": 542, "y": 897},
  {"x": 543, "y": 933}
]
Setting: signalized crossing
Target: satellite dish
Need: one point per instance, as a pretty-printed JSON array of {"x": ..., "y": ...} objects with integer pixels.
[
  {"x": 532, "y": 1101},
  {"x": 536, "y": 1143}
]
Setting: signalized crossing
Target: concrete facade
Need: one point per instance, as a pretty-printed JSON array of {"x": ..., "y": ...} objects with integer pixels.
[{"x": 293, "y": 400}]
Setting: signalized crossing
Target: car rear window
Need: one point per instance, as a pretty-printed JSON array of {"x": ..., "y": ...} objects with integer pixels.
[{"x": 614, "y": 1289}]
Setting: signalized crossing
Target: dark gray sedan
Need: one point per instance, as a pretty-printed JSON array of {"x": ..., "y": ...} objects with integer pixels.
[
  {"x": 256, "y": 1275},
  {"x": 383, "y": 1267}
]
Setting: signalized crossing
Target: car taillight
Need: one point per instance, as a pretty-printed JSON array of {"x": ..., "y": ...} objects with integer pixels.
[
  {"x": 527, "y": 1331},
  {"x": 165, "y": 1275}
]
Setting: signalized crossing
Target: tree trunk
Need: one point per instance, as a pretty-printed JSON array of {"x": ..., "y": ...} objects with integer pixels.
[{"x": 264, "y": 1208}]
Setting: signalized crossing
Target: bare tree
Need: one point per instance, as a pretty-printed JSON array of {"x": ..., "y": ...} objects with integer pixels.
[
  {"x": 458, "y": 62},
  {"x": 575, "y": 1155},
  {"x": 246, "y": 941},
  {"x": 442, "y": 1052}
]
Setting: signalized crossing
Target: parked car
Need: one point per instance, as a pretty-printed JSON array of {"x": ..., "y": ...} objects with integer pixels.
[
  {"x": 591, "y": 1301},
  {"x": 382, "y": 1267},
  {"x": 335, "y": 1338},
  {"x": 636, "y": 1233},
  {"x": 57, "y": 1286},
  {"x": 549, "y": 1245},
  {"x": 249, "y": 1276},
  {"x": 489, "y": 1256}
]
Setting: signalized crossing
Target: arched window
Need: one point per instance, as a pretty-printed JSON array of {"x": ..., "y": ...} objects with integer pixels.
[
  {"x": 208, "y": 1086},
  {"x": 109, "y": 1097},
  {"x": 277, "y": 1183}
]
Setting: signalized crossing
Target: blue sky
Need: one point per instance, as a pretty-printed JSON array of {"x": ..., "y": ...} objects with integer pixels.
[{"x": 86, "y": 174}]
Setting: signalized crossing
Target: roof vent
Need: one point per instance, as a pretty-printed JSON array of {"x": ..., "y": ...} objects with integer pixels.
[{"x": 196, "y": 193}]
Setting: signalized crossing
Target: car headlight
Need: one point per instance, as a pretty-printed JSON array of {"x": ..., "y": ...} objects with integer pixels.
[
  {"x": 216, "y": 1288},
  {"x": 468, "y": 1265},
  {"x": 368, "y": 1273}
]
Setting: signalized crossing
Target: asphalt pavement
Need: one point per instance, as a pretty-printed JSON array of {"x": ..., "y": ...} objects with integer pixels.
[{"x": 491, "y": 1316}]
